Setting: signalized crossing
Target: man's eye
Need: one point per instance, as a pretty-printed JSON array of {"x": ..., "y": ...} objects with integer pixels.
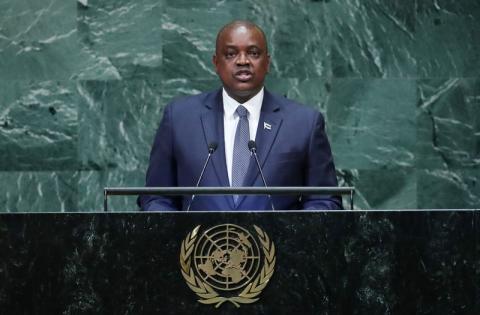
[
  {"x": 254, "y": 53},
  {"x": 230, "y": 54}
]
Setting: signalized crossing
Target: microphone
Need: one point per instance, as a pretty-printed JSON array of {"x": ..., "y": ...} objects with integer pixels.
[
  {"x": 212, "y": 146},
  {"x": 252, "y": 146}
]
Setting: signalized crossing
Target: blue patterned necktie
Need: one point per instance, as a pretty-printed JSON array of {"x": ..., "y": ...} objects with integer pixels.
[{"x": 241, "y": 154}]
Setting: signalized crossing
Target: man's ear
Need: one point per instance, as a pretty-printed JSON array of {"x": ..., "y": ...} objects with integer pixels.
[
  {"x": 214, "y": 61},
  {"x": 268, "y": 63}
]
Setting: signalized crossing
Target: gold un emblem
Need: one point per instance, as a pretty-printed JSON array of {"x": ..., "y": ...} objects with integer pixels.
[{"x": 225, "y": 264}]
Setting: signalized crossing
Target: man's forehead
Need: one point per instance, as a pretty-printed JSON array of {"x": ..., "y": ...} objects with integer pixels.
[
  {"x": 238, "y": 30},
  {"x": 241, "y": 28},
  {"x": 231, "y": 36}
]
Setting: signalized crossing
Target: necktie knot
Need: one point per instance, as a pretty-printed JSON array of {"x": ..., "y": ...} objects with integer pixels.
[{"x": 242, "y": 111}]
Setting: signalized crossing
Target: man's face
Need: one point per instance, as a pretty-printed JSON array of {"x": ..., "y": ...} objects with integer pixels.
[{"x": 241, "y": 61}]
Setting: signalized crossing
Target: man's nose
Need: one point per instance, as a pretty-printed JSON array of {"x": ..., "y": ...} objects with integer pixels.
[{"x": 243, "y": 59}]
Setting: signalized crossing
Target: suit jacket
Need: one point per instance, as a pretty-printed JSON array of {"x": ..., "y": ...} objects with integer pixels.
[{"x": 293, "y": 151}]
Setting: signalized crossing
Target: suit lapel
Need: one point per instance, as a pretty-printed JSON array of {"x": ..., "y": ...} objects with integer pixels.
[
  {"x": 212, "y": 122},
  {"x": 268, "y": 126}
]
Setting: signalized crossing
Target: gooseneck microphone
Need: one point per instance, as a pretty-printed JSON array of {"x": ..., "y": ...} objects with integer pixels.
[
  {"x": 252, "y": 146},
  {"x": 212, "y": 146}
]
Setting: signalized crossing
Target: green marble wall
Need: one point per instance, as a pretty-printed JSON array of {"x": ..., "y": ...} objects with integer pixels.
[{"x": 82, "y": 89}]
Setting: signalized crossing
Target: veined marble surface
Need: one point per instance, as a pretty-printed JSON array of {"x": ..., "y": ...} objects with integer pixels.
[{"x": 82, "y": 89}]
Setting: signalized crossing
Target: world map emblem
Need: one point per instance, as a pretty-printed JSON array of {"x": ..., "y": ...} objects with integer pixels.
[{"x": 227, "y": 263}]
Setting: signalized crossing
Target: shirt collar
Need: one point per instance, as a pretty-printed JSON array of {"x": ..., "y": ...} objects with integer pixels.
[{"x": 253, "y": 105}]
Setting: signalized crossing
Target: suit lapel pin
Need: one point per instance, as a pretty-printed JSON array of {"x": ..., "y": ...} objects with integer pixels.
[{"x": 267, "y": 126}]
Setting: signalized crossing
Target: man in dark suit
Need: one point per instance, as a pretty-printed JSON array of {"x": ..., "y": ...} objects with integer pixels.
[{"x": 292, "y": 147}]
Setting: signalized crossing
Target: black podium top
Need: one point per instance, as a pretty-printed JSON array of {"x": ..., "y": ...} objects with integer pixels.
[{"x": 325, "y": 262}]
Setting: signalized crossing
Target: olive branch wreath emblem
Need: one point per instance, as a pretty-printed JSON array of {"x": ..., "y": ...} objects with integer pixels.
[{"x": 206, "y": 293}]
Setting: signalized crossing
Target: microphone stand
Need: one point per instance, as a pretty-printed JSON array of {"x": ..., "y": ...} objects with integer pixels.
[
  {"x": 253, "y": 148},
  {"x": 211, "y": 148}
]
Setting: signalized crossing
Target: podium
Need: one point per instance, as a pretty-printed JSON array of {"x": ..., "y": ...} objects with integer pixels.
[{"x": 326, "y": 262}]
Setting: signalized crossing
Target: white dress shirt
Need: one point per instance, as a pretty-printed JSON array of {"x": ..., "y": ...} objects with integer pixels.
[{"x": 230, "y": 121}]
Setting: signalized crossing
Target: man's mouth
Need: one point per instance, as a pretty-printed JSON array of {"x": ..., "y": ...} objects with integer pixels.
[{"x": 243, "y": 75}]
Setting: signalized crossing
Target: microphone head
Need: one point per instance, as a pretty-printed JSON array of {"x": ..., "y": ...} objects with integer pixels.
[
  {"x": 252, "y": 145},
  {"x": 212, "y": 146}
]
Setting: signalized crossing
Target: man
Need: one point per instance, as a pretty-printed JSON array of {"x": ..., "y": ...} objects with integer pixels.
[{"x": 291, "y": 143}]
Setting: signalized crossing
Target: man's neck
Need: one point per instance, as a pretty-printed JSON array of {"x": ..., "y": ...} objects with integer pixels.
[{"x": 243, "y": 98}]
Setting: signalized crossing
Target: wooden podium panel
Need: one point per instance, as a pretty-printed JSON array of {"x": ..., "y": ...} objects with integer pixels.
[{"x": 326, "y": 262}]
